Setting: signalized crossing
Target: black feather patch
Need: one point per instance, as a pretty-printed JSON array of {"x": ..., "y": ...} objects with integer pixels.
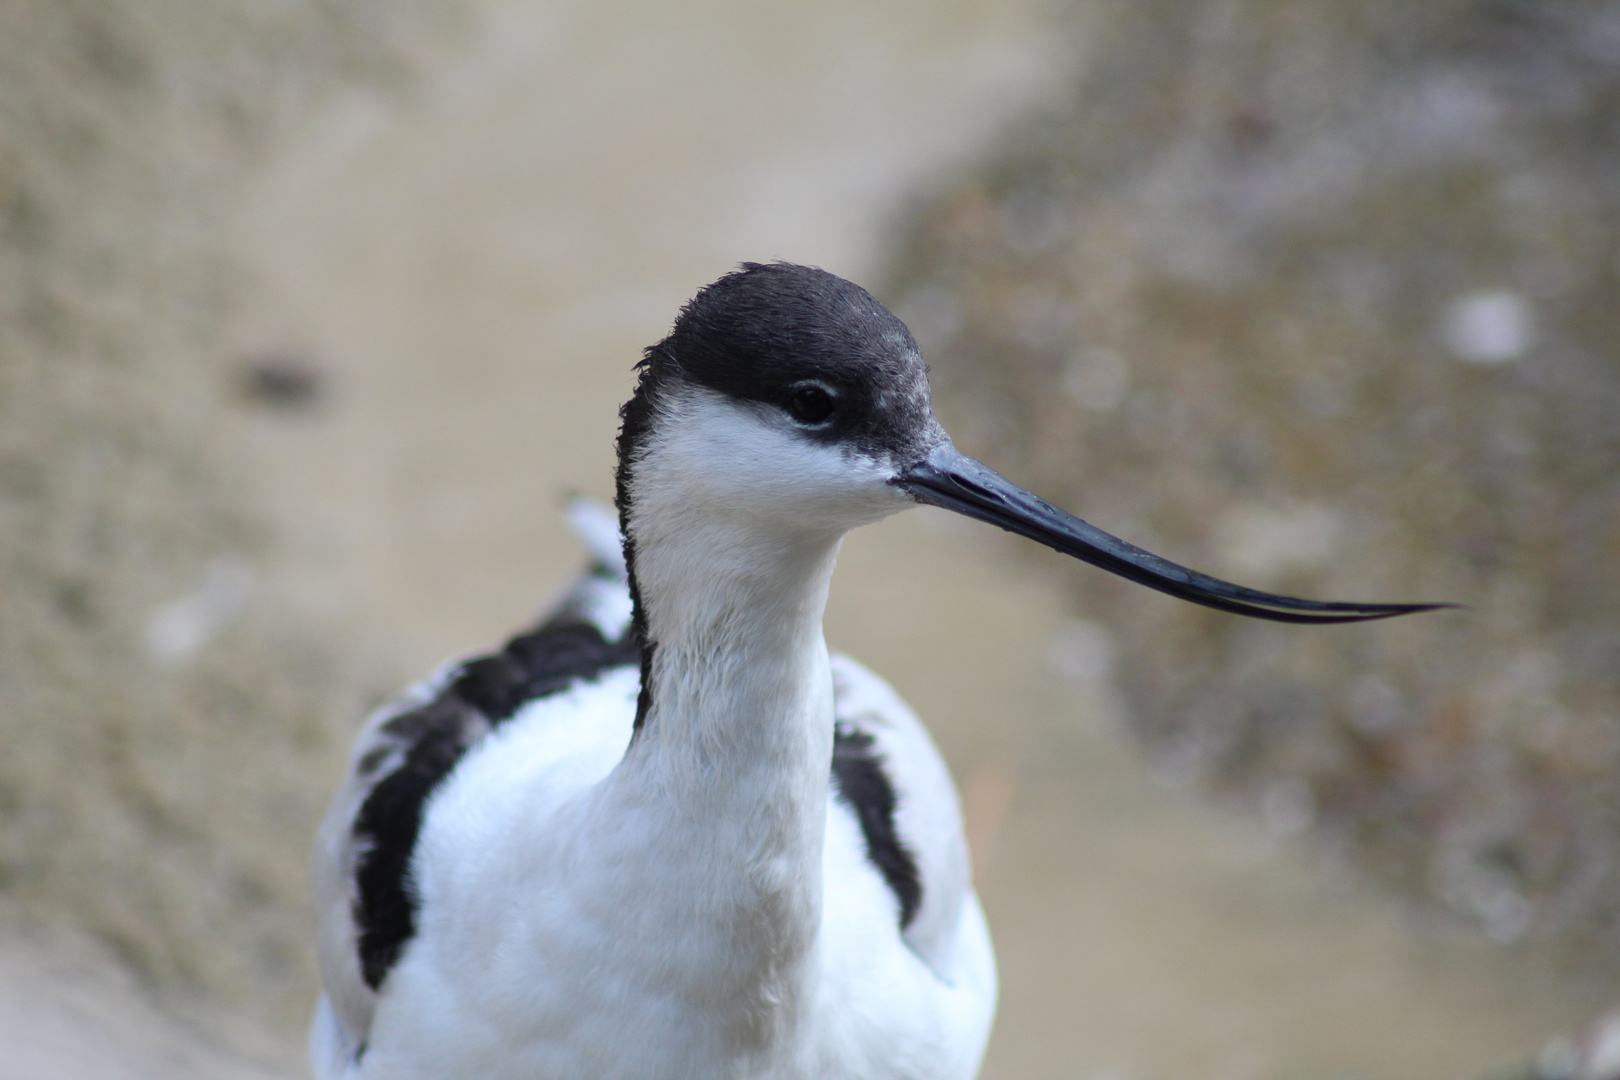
[
  {"x": 864, "y": 787},
  {"x": 762, "y": 332},
  {"x": 484, "y": 693},
  {"x": 635, "y": 430}
]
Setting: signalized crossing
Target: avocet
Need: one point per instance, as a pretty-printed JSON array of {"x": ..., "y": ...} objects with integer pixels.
[{"x": 665, "y": 834}]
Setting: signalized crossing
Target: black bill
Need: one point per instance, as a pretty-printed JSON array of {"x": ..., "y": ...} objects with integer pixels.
[{"x": 951, "y": 479}]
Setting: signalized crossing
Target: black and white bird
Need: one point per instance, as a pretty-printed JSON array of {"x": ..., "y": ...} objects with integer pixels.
[{"x": 665, "y": 833}]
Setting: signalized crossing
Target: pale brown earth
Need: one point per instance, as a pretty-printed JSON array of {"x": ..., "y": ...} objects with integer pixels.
[
  {"x": 441, "y": 252},
  {"x": 1322, "y": 297}
]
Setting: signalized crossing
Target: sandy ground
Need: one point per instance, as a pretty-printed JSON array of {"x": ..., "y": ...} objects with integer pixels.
[
  {"x": 473, "y": 269},
  {"x": 70, "y": 1011}
]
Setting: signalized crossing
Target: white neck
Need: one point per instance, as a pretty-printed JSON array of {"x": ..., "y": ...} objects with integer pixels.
[
  {"x": 726, "y": 782},
  {"x": 719, "y": 806}
]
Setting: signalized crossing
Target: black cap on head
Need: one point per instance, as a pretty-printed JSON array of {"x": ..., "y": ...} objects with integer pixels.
[{"x": 770, "y": 329}]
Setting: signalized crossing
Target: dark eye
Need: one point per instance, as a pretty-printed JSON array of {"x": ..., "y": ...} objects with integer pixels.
[{"x": 810, "y": 403}]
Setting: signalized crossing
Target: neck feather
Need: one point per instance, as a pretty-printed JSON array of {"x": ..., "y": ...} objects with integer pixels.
[
  {"x": 735, "y": 683},
  {"x": 732, "y": 626},
  {"x": 727, "y": 775}
]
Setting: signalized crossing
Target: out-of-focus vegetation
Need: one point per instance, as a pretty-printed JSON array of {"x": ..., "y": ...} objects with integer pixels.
[
  {"x": 155, "y": 792},
  {"x": 1325, "y": 297}
]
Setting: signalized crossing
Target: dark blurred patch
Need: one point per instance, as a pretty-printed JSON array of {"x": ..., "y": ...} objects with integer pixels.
[
  {"x": 107, "y": 52},
  {"x": 73, "y": 601},
  {"x": 282, "y": 381}
]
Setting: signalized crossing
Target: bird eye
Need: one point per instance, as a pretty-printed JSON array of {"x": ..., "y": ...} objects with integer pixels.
[{"x": 810, "y": 403}]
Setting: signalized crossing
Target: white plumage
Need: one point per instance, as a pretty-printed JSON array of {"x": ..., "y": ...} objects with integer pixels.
[
  {"x": 508, "y": 977},
  {"x": 666, "y": 834}
]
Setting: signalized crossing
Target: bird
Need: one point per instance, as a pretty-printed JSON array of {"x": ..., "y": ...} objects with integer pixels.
[{"x": 665, "y": 833}]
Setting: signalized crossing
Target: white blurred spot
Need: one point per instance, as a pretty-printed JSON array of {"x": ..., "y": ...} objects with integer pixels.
[
  {"x": 1506, "y": 915},
  {"x": 1178, "y": 766},
  {"x": 1601, "y": 1059},
  {"x": 1081, "y": 650},
  {"x": 1558, "y": 1060},
  {"x": 185, "y": 624},
  {"x": 1096, "y": 379},
  {"x": 1473, "y": 884},
  {"x": 1446, "y": 113},
  {"x": 1491, "y": 326},
  {"x": 597, "y": 526},
  {"x": 1262, "y": 542},
  {"x": 1288, "y": 807},
  {"x": 1374, "y": 705}
]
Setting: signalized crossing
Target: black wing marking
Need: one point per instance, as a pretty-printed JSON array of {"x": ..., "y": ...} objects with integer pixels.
[
  {"x": 480, "y": 695},
  {"x": 864, "y": 787}
]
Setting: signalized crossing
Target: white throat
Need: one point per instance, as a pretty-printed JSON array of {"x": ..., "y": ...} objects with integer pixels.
[{"x": 736, "y": 526}]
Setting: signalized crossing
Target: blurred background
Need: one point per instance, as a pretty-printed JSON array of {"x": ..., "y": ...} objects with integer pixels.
[{"x": 311, "y": 311}]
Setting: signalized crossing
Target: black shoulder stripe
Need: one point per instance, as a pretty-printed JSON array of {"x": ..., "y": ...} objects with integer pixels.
[
  {"x": 863, "y": 785},
  {"x": 537, "y": 665},
  {"x": 389, "y": 821},
  {"x": 484, "y": 693}
]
